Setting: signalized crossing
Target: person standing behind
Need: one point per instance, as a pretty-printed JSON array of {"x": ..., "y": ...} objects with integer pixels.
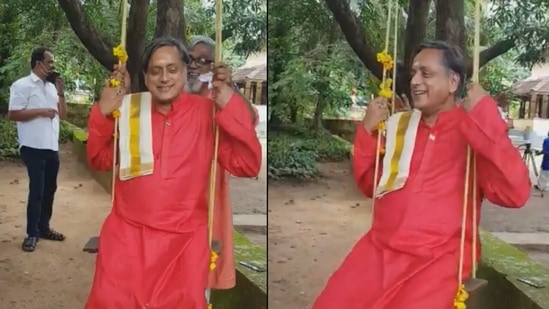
[
  {"x": 37, "y": 103},
  {"x": 543, "y": 180},
  {"x": 199, "y": 78}
]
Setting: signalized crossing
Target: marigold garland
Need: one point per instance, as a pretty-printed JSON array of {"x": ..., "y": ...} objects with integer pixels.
[
  {"x": 461, "y": 297},
  {"x": 213, "y": 259},
  {"x": 385, "y": 59},
  {"x": 120, "y": 53},
  {"x": 385, "y": 91}
]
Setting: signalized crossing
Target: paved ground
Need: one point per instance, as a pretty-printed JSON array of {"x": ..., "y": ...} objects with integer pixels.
[{"x": 58, "y": 275}]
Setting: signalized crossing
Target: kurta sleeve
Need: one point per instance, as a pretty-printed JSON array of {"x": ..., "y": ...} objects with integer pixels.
[
  {"x": 364, "y": 157},
  {"x": 100, "y": 140},
  {"x": 239, "y": 148},
  {"x": 503, "y": 178}
]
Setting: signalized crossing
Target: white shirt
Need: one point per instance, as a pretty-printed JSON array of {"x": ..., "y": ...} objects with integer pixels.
[{"x": 31, "y": 92}]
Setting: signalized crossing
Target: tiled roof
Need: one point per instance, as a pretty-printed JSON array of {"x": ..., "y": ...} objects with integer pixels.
[
  {"x": 257, "y": 72},
  {"x": 530, "y": 87}
]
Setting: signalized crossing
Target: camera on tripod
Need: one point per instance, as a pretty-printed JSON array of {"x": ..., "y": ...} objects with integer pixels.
[{"x": 529, "y": 151}]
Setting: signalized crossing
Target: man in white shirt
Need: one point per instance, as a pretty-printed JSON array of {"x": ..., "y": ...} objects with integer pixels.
[{"x": 37, "y": 103}]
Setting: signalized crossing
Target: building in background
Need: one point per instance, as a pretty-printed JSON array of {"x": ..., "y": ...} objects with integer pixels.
[{"x": 251, "y": 79}]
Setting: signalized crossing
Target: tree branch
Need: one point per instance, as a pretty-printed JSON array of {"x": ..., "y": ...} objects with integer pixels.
[
  {"x": 496, "y": 50},
  {"x": 491, "y": 52},
  {"x": 98, "y": 46},
  {"x": 358, "y": 40}
]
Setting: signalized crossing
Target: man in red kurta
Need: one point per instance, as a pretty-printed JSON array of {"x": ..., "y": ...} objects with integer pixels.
[
  {"x": 153, "y": 250},
  {"x": 409, "y": 258}
]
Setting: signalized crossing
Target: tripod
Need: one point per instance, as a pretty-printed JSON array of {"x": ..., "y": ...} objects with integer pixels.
[{"x": 528, "y": 159}]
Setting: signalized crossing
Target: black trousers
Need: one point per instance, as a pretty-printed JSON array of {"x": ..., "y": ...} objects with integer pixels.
[{"x": 42, "y": 168}]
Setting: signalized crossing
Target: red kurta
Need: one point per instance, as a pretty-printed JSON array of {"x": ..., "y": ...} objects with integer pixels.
[
  {"x": 409, "y": 258},
  {"x": 153, "y": 250}
]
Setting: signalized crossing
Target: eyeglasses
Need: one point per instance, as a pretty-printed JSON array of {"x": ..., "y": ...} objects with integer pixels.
[{"x": 200, "y": 61}]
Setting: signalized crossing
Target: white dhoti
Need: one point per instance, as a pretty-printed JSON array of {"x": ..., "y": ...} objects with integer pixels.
[{"x": 543, "y": 180}]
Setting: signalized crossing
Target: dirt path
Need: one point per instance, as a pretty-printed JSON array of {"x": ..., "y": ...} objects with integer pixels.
[
  {"x": 312, "y": 227},
  {"x": 58, "y": 275}
]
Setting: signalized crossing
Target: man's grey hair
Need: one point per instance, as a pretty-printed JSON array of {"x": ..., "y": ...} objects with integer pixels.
[
  {"x": 202, "y": 39},
  {"x": 161, "y": 42}
]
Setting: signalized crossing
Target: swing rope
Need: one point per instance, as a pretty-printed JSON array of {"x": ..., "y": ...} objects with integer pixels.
[
  {"x": 213, "y": 174},
  {"x": 471, "y": 168},
  {"x": 120, "y": 53},
  {"x": 385, "y": 91}
]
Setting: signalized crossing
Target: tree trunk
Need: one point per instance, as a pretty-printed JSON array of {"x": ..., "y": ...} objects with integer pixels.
[
  {"x": 293, "y": 113},
  {"x": 135, "y": 42},
  {"x": 169, "y": 19},
  {"x": 319, "y": 110},
  {"x": 416, "y": 27},
  {"x": 450, "y": 23}
]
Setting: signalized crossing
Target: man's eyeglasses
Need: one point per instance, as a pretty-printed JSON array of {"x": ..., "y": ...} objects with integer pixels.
[{"x": 200, "y": 61}]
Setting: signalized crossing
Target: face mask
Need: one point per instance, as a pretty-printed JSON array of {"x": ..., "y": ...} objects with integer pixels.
[{"x": 206, "y": 78}]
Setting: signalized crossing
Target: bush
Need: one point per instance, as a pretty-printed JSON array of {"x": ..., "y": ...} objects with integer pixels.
[
  {"x": 78, "y": 114},
  {"x": 9, "y": 146},
  {"x": 295, "y": 153},
  {"x": 286, "y": 158}
]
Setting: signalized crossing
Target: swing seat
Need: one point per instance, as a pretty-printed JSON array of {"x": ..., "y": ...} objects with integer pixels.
[
  {"x": 92, "y": 246},
  {"x": 474, "y": 287}
]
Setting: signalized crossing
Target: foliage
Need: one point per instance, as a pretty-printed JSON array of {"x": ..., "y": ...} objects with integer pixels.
[
  {"x": 294, "y": 152},
  {"x": 27, "y": 24},
  {"x": 498, "y": 76},
  {"x": 303, "y": 72},
  {"x": 9, "y": 146}
]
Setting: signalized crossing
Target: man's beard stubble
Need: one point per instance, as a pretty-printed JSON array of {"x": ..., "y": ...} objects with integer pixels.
[{"x": 193, "y": 85}]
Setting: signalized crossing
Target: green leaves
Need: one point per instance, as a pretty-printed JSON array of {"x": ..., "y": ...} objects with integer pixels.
[{"x": 295, "y": 153}]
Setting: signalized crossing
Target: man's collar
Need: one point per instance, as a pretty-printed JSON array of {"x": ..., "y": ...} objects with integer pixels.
[{"x": 34, "y": 77}]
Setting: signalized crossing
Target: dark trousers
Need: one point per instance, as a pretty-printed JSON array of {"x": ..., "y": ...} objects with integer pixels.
[{"x": 42, "y": 168}]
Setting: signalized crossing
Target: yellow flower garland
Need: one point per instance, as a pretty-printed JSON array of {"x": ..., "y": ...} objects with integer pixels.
[
  {"x": 387, "y": 61},
  {"x": 120, "y": 53},
  {"x": 213, "y": 259},
  {"x": 461, "y": 297},
  {"x": 385, "y": 87}
]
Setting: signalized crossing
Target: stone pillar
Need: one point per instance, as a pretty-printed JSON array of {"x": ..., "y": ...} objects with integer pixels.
[
  {"x": 545, "y": 107},
  {"x": 247, "y": 89},
  {"x": 258, "y": 94},
  {"x": 532, "y": 107}
]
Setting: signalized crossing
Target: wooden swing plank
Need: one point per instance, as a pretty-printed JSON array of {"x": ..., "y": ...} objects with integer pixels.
[
  {"x": 474, "y": 287},
  {"x": 92, "y": 246}
]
